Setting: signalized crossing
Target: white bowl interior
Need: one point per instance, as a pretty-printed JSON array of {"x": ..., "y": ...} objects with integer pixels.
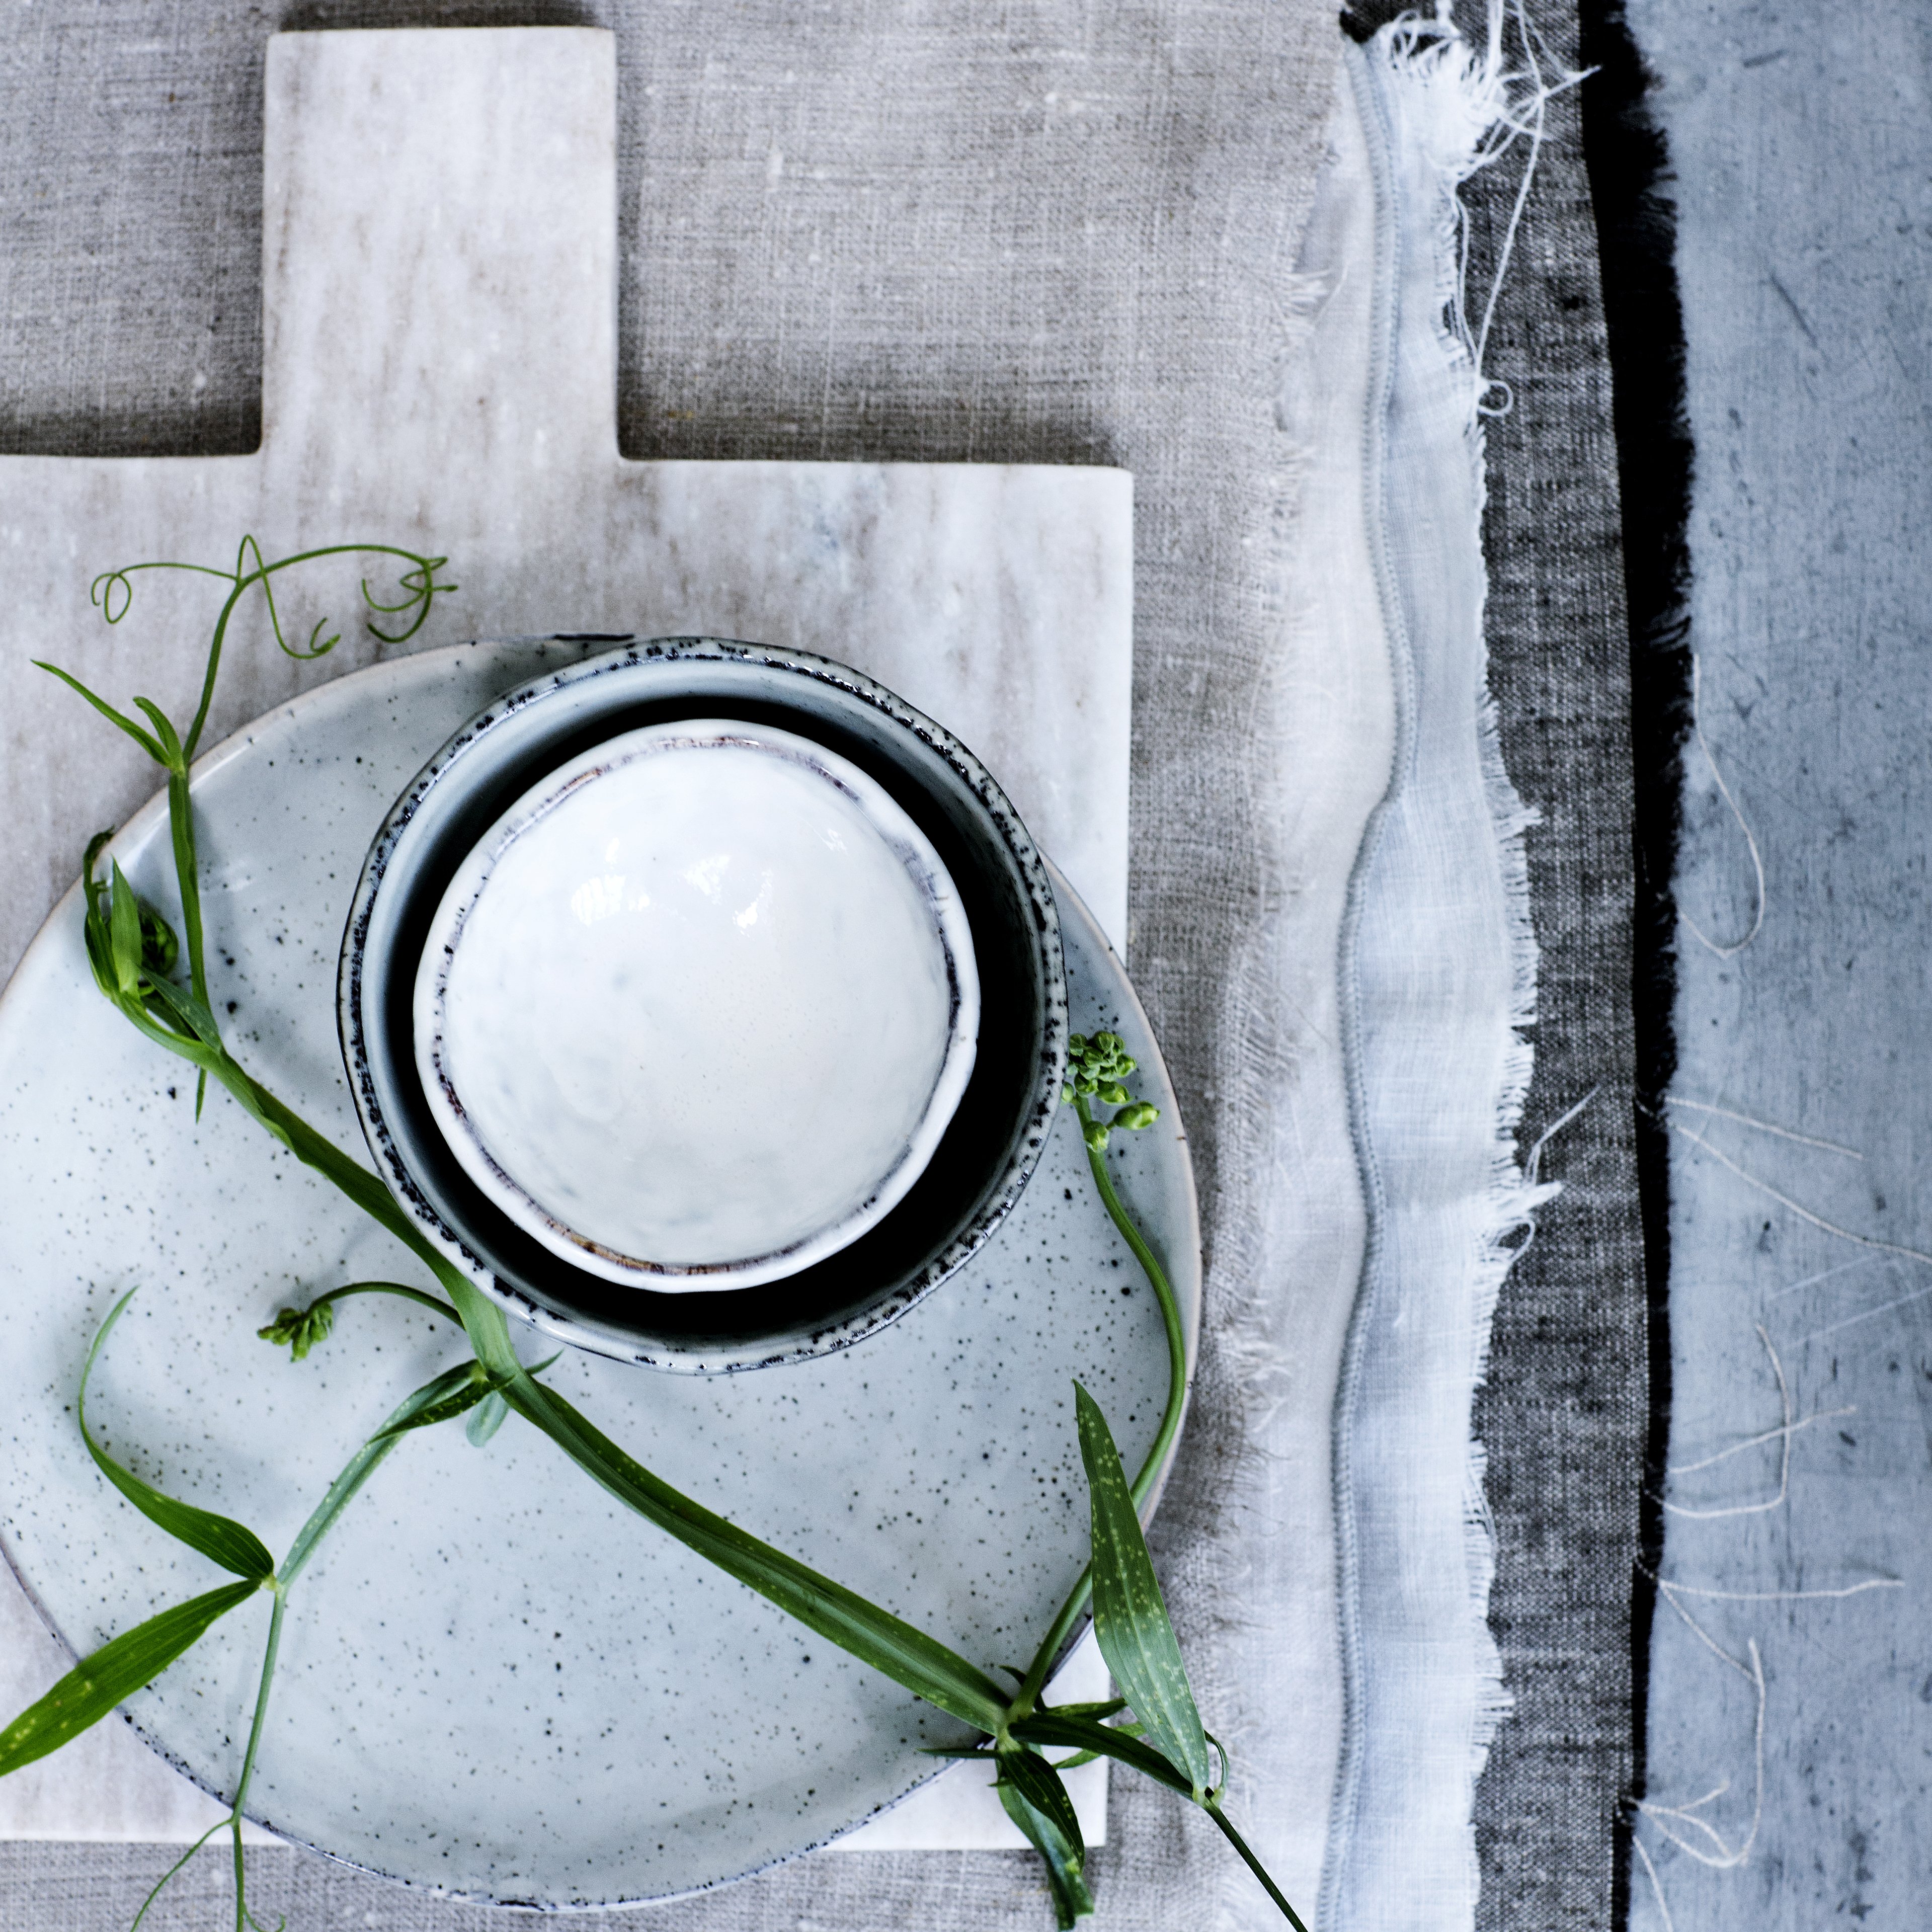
[{"x": 697, "y": 1009}]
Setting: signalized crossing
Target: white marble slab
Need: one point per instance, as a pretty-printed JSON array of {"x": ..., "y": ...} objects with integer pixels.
[{"x": 439, "y": 371}]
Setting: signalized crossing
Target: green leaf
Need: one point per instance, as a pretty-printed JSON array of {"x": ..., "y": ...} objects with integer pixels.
[
  {"x": 1052, "y": 1727},
  {"x": 160, "y": 948},
  {"x": 112, "y": 1674},
  {"x": 1131, "y": 1728},
  {"x": 875, "y": 1636},
  {"x": 480, "y": 1387},
  {"x": 1065, "y": 1856},
  {"x": 229, "y": 1543},
  {"x": 107, "y": 711},
  {"x": 486, "y": 1418},
  {"x": 1039, "y": 1783},
  {"x": 97, "y": 889},
  {"x": 124, "y": 931},
  {"x": 163, "y": 728},
  {"x": 363, "y": 1464},
  {"x": 1129, "y": 1617}
]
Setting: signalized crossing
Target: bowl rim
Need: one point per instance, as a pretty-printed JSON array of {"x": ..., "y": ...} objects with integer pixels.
[
  {"x": 612, "y": 1338},
  {"x": 916, "y": 857}
]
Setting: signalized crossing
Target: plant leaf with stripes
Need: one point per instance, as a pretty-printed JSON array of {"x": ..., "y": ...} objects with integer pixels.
[
  {"x": 1130, "y": 1616},
  {"x": 112, "y": 1674},
  {"x": 898, "y": 1649},
  {"x": 232, "y": 1545},
  {"x": 1044, "y": 1813}
]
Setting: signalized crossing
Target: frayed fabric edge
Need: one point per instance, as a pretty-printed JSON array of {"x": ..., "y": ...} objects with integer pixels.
[
  {"x": 1453, "y": 96},
  {"x": 1514, "y": 1199},
  {"x": 1450, "y": 96}
]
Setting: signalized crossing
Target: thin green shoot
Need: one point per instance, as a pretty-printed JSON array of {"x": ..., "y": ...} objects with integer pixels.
[
  {"x": 300, "y": 1329},
  {"x": 1098, "y": 1065},
  {"x": 174, "y": 752}
]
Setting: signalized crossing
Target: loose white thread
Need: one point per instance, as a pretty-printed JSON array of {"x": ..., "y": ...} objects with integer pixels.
[
  {"x": 1722, "y": 1855},
  {"x": 1805, "y": 1213},
  {"x": 1751, "y": 838},
  {"x": 1656, "y": 1884},
  {"x": 1674, "y": 1823},
  {"x": 1866, "y": 1314},
  {"x": 1533, "y": 1166},
  {"x": 1769, "y": 1435},
  {"x": 1513, "y": 125},
  {"x": 1762, "y": 1126},
  {"x": 1824, "y": 1274},
  {"x": 1781, "y": 1436},
  {"x": 1778, "y": 1596},
  {"x": 1510, "y": 107}
]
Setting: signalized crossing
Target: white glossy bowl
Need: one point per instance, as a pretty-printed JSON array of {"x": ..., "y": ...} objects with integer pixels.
[
  {"x": 997, "y": 1135},
  {"x": 697, "y": 1008}
]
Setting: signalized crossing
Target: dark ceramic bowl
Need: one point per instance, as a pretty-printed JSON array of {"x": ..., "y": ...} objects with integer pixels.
[{"x": 996, "y": 1135}]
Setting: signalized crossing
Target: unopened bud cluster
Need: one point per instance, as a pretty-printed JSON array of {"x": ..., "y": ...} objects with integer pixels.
[
  {"x": 1096, "y": 1067},
  {"x": 300, "y": 1329}
]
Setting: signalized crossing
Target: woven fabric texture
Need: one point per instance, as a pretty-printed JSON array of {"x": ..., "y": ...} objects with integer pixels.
[
  {"x": 1067, "y": 236},
  {"x": 1563, "y": 1411},
  {"x": 1064, "y": 234}
]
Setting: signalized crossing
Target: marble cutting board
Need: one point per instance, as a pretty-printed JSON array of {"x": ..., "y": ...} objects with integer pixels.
[{"x": 439, "y": 371}]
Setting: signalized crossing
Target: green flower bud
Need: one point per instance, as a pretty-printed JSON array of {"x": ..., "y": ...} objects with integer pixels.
[
  {"x": 1141, "y": 1114},
  {"x": 1115, "y": 1094},
  {"x": 1096, "y": 1135},
  {"x": 300, "y": 1328}
]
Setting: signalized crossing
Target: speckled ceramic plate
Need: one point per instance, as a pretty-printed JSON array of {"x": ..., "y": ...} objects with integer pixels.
[{"x": 494, "y": 1681}]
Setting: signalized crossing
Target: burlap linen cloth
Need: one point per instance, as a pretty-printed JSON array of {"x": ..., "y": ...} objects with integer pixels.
[{"x": 1075, "y": 239}]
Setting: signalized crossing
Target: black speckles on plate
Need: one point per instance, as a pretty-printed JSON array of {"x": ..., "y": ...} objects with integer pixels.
[{"x": 684, "y": 1741}]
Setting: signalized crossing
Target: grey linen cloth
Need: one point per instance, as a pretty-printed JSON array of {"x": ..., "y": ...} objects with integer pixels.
[
  {"x": 872, "y": 233},
  {"x": 1063, "y": 236}
]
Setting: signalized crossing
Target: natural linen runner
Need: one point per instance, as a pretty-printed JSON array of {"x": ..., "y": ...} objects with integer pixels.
[{"x": 1087, "y": 237}]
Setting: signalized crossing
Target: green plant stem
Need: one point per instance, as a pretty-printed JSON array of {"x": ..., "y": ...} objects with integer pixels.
[
  {"x": 175, "y": 754},
  {"x": 898, "y": 1649},
  {"x": 181, "y": 1020},
  {"x": 198, "y": 1040},
  {"x": 396, "y": 1288},
  {"x": 1212, "y": 1809},
  {"x": 1075, "y": 1606},
  {"x": 261, "y": 573},
  {"x": 360, "y": 1467},
  {"x": 181, "y": 832},
  {"x": 268, "y": 1656},
  {"x": 161, "y": 1883},
  {"x": 907, "y": 1654}
]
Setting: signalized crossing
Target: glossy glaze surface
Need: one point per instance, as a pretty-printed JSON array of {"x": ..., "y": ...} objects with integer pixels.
[
  {"x": 988, "y": 1150},
  {"x": 699, "y": 1007}
]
